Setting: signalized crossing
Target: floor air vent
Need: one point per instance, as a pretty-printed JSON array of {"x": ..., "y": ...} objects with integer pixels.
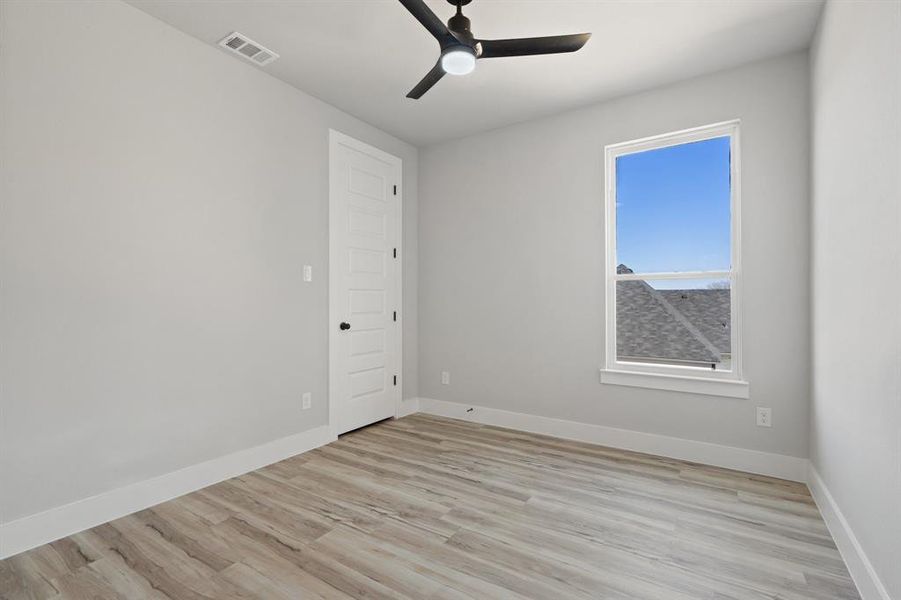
[{"x": 243, "y": 46}]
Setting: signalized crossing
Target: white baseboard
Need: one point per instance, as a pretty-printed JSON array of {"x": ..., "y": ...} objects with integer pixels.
[
  {"x": 41, "y": 528},
  {"x": 407, "y": 406},
  {"x": 729, "y": 457},
  {"x": 862, "y": 572}
]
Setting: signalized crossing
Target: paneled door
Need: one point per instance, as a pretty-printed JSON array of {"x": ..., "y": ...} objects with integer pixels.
[{"x": 364, "y": 287}]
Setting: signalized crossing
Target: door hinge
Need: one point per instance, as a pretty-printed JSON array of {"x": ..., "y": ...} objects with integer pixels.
[
  {"x": 395, "y": 190},
  {"x": 395, "y": 316},
  {"x": 395, "y": 253},
  {"x": 395, "y": 380}
]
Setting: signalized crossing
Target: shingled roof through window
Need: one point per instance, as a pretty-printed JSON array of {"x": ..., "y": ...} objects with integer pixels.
[{"x": 691, "y": 325}]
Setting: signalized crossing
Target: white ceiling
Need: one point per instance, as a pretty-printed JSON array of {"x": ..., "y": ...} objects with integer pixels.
[{"x": 363, "y": 56}]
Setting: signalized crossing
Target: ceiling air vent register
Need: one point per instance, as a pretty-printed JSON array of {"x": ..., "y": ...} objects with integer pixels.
[{"x": 245, "y": 47}]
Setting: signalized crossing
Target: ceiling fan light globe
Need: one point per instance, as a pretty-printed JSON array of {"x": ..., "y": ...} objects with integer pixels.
[{"x": 458, "y": 62}]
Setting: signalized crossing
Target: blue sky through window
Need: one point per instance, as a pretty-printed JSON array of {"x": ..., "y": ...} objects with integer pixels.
[{"x": 673, "y": 208}]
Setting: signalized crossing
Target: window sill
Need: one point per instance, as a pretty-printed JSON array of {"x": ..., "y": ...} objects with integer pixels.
[{"x": 728, "y": 388}]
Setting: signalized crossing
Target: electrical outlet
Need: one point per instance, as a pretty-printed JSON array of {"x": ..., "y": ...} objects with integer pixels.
[
  {"x": 764, "y": 417},
  {"x": 445, "y": 377},
  {"x": 308, "y": 272},
  {"x": 307, "y": 401}
]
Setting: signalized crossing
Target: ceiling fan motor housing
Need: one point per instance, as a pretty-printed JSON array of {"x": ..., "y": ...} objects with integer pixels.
[
  {"x": 459, "y": 23},
  {"x": 459, "y": 26}
]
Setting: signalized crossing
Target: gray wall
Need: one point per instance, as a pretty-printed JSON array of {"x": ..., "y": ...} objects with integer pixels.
[
  {"x": 856, "y": 411},
  {"x": 512, "y": 262},
  {"x": 159, "y": 198}
]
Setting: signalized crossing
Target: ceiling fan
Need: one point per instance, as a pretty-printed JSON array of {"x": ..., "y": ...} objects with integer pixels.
[{"x": 460, "y": 49}]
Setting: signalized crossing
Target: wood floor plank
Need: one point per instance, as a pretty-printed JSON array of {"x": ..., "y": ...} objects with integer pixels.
[
  {"x": 136, "y": 552},
  {"x": 274, "y": 559},
  {"x": 85, "y": 584},
  {"x": 431, "y": 508},
  {"x": 121, "y": 579},
  {"x": 437, "y": 550},
  {"x": 424, "y": 564},
  {"x": 257, "y": 585}
]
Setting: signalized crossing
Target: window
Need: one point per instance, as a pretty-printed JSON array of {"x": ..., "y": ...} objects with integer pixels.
[{"x": 673, "y": 256}]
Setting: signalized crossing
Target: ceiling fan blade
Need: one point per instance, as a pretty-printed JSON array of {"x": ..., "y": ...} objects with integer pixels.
[
  {"x": 430, "y": 79},
  {"x": 430, "y": 21},
  {"x": 554, "y": 44}
]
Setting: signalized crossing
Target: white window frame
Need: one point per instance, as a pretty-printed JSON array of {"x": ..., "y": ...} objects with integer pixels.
[{"x": 682, "y": 378}]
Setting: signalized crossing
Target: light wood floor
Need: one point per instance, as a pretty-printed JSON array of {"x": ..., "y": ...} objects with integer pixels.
[{"x": 425, "y": 507}]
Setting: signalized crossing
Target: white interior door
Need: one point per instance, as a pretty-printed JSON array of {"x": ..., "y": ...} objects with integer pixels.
[{"x": 364, "y": 272}]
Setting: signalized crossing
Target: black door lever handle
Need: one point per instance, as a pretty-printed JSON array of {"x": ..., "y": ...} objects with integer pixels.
[{"x": 344, "y": 326}]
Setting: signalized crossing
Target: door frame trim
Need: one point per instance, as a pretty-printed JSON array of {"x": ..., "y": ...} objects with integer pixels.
[{"x": 336, "y": 138}]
